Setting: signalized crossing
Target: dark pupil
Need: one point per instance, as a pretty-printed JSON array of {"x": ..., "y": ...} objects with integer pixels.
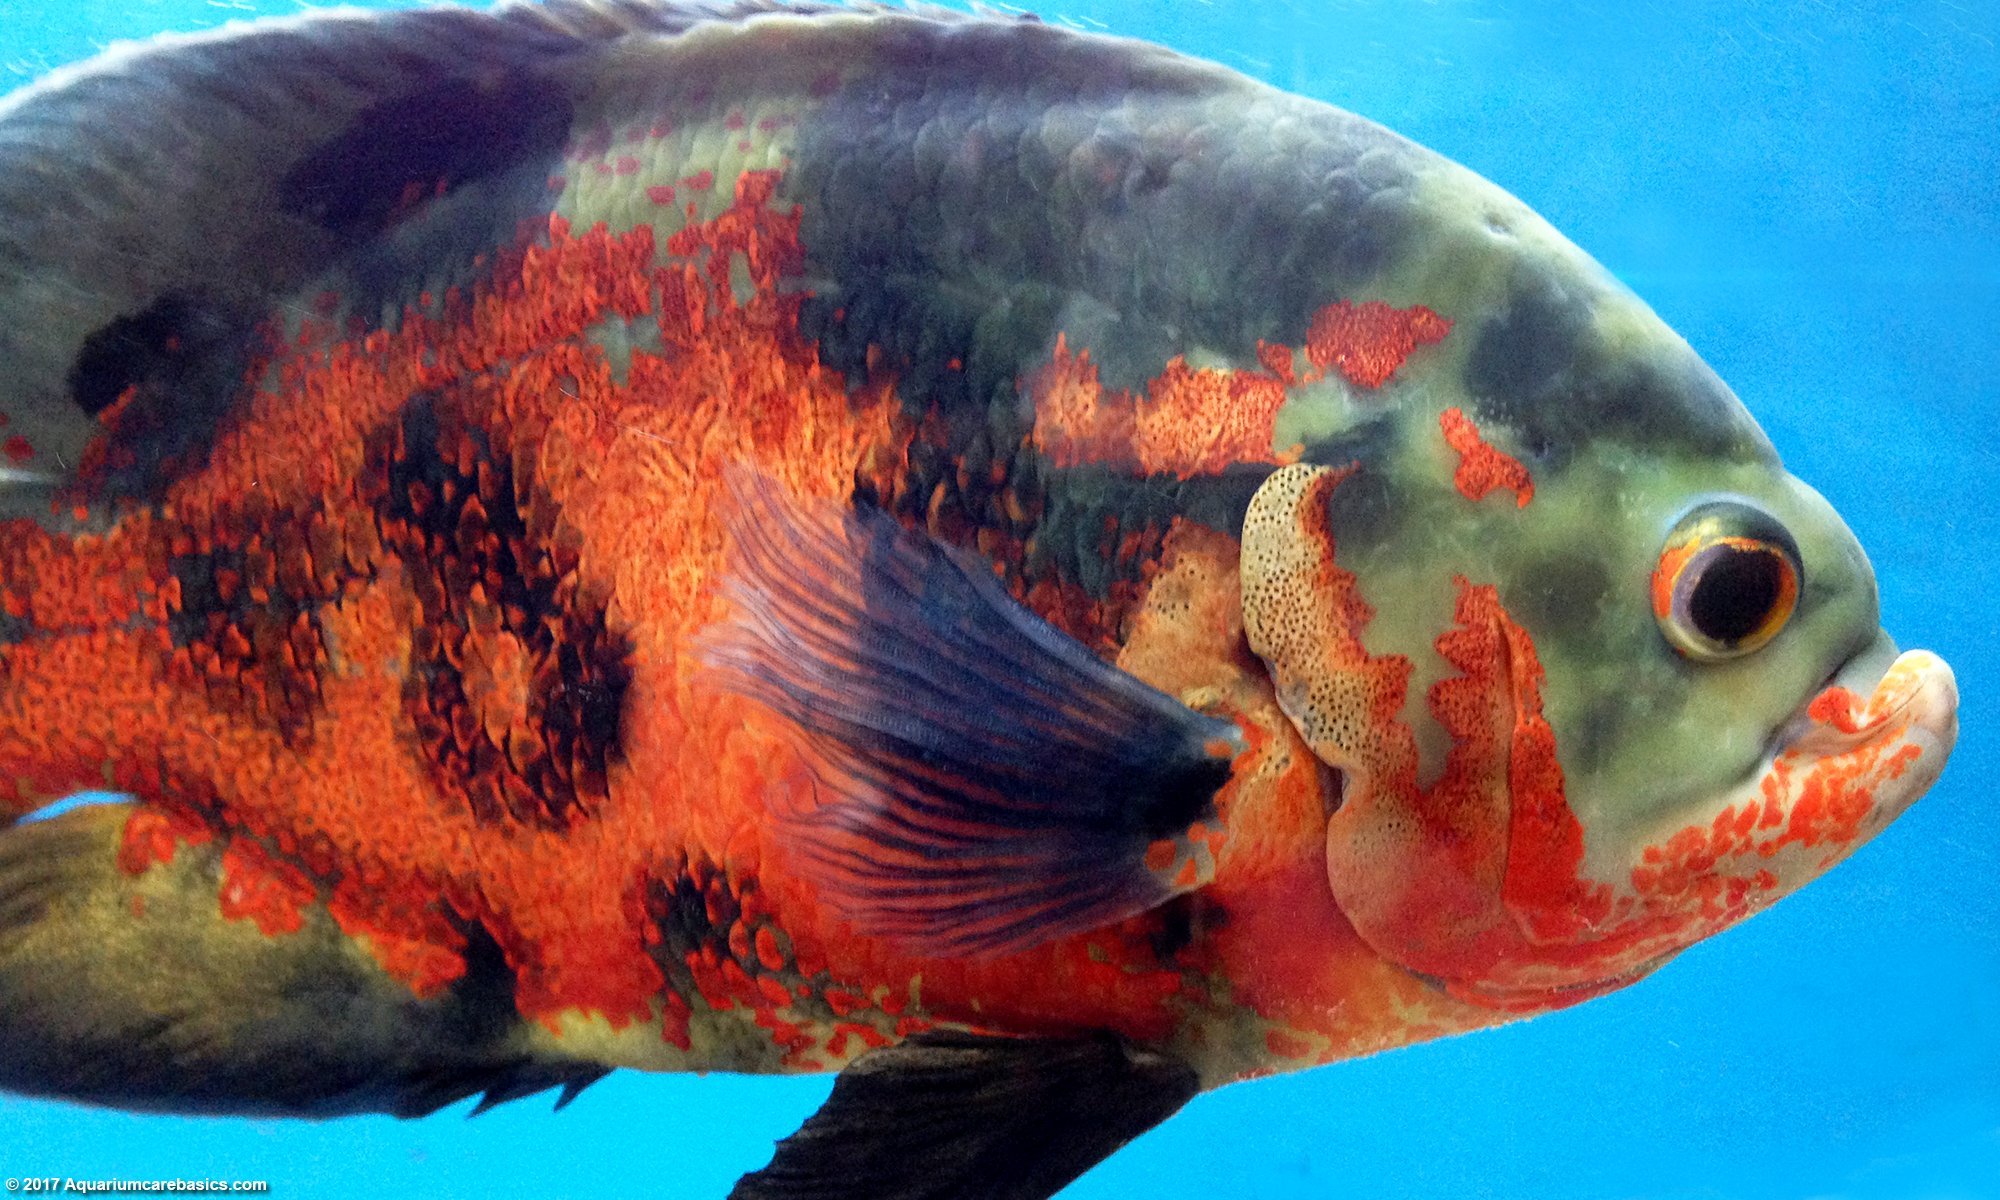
[{"x": 1736, "y": 592}]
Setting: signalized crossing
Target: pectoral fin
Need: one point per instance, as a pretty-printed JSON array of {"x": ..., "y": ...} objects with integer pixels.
[
  {"x": 985, "y": 782},
  {"x": 955, "y": 1116}
]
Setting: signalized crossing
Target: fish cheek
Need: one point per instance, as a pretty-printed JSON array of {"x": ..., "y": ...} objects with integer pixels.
[
  {"x": 1561, "y": 596},
  {"x": 1563, "y": 599}
]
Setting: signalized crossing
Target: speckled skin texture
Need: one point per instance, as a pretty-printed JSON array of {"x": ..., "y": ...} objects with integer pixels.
[{"x": 369, "y": 539}]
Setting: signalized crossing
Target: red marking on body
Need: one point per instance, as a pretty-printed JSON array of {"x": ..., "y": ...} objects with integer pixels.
[
  {"x": 18, "y": 450},
  {"x": 1190, "y": 421},
  {"x": 1194, "y": 421},
  {"x": 264, "y": 730},
  {"x": 1278, "y": 361},
  {"x": 1369, "y": 342},
  {"x": 700, "y": 181},
  {"x": 1673, "y": 560},
  {"x": 152, "y": 837},
  {"x": 735, "y": 121},
  {"x": 1475, "y": 879},
  {"x": 627, "y": 165},
  {"x": 1840, "y": 708},
  {"x": 1481, "y": 468},
  {"x": 418, "y": 947},
  {"x": 594, "y": 143},
  {"x": 771, "y": 124},
  {"x": 660, "y": 129},
  {"x": 1283, "y": 1044},
  {"x": 415, "y": 194},
  {"x": 260, "y": 887},
  {"x": 1479, "y": 879},
  {"x": 660, "y": 193},
  {"x": 769, "y": 954}
]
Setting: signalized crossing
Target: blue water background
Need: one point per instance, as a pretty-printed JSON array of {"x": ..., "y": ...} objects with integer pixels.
[{"x": 1809, "y": 191}]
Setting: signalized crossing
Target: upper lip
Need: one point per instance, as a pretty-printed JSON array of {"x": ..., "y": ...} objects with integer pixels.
[{"x": 1873, "y": 656}]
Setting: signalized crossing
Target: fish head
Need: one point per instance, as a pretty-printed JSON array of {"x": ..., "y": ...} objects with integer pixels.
[{"x": 1598, "y": 678}]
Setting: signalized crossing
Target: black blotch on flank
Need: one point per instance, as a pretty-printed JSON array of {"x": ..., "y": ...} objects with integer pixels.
[
  {"x": 129, "y": 349},
  {"x": 1520, "y": 352},
  {"x": 1175, "y": 929},
  {"x": 1524, "y": 358},
  {"x": 181, "y": 358},
  {"x": 486, "y": 559},
  {"x": 402, "y": 152}
]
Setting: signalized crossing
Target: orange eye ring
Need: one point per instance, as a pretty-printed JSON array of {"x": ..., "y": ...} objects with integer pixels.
[{"x": 1728, "y": 580}]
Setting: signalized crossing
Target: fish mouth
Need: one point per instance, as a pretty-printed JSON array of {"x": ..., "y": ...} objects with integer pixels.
[
  {"x": 1859, "y": 674},
  {"x": 1867, "y": 743},
  {"x": 1876, "y": 693},
  {"x": 1862, "y": 749}
]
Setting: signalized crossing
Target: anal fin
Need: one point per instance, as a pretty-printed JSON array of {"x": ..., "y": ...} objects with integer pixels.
[{"x": 957, "y": 1116}]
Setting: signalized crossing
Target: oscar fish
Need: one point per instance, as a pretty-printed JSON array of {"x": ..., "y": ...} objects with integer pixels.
[{"x": 1031, "y": 571}]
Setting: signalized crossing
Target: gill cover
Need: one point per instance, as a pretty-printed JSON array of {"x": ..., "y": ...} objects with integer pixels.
[{"x": 1484, "y": 878}]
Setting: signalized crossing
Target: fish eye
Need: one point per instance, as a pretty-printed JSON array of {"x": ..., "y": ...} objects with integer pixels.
[{"x": 1727, "y": 581}]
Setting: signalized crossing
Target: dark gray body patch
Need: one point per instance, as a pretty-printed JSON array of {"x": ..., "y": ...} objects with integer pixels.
[
  {"x": 405, "y": 152},
  {"x": 987, "y": 187},
  {"x": 1022, "y": 179},
  {"x": 1539, "y": 367}
]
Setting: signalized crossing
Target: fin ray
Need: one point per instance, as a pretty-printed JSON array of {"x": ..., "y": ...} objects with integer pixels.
[
  {"x": 985, "y": 782},
  {"x": 958, "y": 1116}
]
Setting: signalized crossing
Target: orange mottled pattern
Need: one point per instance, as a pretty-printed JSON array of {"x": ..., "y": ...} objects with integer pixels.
[
  {"x": 1191, "y": 421},
  {"x": 370, "y": 644},
  {"x": 1368, "y": 342},
  {"x": 1481, "y": 878},
  {"x": 296, "y": 722},
  {"x": 1288, "y": 946},
  {"x": 1458, "y": 879},
  {"x": 1482, "y": 469},
  {"x": 1199, "y": 420},
  {"x": 1817, "y": 807}
]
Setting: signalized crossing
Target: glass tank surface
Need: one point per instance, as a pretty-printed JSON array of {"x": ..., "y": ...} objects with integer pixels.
[{"x": 1809, "y": 194}]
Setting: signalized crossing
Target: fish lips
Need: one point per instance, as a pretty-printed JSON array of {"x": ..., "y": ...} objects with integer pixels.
[{"x": 1852, "y": 759}]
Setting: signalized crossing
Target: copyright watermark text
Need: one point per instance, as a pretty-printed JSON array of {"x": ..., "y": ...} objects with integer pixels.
[{"x": 62, "y": 1184}]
